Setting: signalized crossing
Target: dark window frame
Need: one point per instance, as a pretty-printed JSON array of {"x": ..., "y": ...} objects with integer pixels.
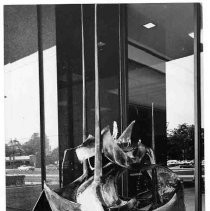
[{"x": 197, "y": 104}]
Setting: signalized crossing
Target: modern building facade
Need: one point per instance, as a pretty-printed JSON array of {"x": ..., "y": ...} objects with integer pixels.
[{"x": 149, "y": 71}]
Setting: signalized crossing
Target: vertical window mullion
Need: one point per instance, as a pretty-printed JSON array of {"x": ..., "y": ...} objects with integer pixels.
[
  {"x": 41, "y": 94},
  {"x": 98, "y": 156},
  {"x": 123, "y": 80},
  {"x": 84, "y": 107},
  {"x": 123, "y": 65},
  {"x": 197, "y": 107}
]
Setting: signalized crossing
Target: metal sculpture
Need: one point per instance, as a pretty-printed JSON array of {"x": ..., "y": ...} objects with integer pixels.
[{"x": 163, "y": 187}]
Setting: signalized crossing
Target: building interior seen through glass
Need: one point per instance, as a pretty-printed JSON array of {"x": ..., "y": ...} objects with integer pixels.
[
  {"x": 161, "y": 85},
  {"x": 146, "y": 74},
  {"x": 70, "y": 75}
]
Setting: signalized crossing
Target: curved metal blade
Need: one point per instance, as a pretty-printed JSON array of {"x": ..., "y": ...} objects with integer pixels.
[
  {"x": 58, "y": 203},
  {"x": 103, "y": 194},
  {"x": 126, "y": 135},
  {"x": 87, "y": 149}
]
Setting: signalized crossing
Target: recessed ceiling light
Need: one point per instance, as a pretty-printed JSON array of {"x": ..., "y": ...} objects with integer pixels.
[
  {"x": 191, "y": 34},
  {"x": 149, "y": 25}
]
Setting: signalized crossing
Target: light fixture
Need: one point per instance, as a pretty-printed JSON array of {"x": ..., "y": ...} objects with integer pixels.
[
  {"x": 191, "y": 34},
  {"x": 149, "y": 25}
]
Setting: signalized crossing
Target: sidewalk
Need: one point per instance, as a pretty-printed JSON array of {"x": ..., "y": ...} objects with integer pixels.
[{"x": 189, "y": 196}]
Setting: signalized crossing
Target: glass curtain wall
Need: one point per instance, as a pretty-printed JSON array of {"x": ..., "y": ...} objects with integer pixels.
[
  {"x": 156, "y": 90},
  {"x": 69, "y": 71},
  {"x": 23, "y": 175},
  {"x": 161, "y": 86},
  {"x": 22, "y": 122},
  {"x": 69, "y": 49},
  {"x": 50, "y": 95},
  {"x": 22, "y": 104}
]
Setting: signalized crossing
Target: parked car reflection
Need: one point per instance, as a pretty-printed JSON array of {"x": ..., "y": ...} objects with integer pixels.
[
  {"x": 26, "y": 168},
  {"x": 185, "y": 169}
]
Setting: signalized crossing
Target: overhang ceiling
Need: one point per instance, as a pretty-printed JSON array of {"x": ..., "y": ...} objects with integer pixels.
[
  {"x": 20, "y": 30},
  {"x": 169, "y": 38}
]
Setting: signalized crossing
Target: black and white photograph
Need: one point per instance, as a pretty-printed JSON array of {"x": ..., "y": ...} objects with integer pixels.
[{"x": 104, "y": 107}]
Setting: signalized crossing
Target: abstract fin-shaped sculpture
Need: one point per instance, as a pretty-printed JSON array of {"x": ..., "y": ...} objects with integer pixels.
[
  {"x": 105, "y": 194},
  {"x": 69, "y": 191},
  {"x": 113, "y": 152},
  {"x": 115, "y": 130},
  {"x": 58, "y": 203},
  {"x": 126, "y": 135},
  {"x": 87, "y": 149}
]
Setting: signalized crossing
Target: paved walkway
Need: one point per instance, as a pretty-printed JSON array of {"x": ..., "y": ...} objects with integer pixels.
[
  {"x": 13, "y": 209},
  {"x": 189, "y": 196},
  {"x": 189, "y": 193}
]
